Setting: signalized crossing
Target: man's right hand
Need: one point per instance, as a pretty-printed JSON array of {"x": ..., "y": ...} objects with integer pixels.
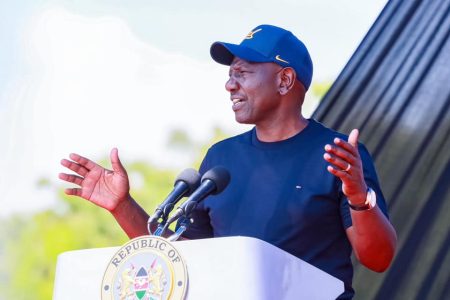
[{"x": 103, "y": 187}]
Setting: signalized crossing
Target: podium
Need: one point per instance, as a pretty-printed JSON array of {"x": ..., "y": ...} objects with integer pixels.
[{"x": 219, "y": 269}]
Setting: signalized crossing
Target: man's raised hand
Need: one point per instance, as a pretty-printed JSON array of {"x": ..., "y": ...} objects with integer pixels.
[
  {"x": 103, "y": 187},
  {"x": 347, "y": 165}
]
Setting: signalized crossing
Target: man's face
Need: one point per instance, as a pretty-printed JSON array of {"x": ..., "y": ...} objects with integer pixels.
[{"x": 253, "y": 89}]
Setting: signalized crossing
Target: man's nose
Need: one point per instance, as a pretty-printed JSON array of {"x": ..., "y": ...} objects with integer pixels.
[{"x": 231, "y": 84}]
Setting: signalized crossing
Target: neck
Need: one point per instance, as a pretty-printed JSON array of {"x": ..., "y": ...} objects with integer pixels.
[{"x": 281, "y": 131}]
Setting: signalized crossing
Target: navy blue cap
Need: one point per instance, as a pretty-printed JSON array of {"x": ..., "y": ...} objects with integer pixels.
[{"x": 268, "y": 43}]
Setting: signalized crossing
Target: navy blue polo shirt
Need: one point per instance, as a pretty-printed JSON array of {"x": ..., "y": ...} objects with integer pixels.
[{"x": 282, "y": 193}]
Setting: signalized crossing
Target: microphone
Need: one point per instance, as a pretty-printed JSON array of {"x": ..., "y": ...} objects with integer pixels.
[
  {"x": 213, "y": 182},
  {"x": 186, "y": 182}
]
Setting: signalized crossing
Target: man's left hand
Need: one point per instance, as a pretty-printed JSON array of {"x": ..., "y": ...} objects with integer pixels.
[{"x": 347, "y": 165}]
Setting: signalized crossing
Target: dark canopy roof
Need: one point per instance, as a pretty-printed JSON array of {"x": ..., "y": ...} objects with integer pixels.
[{"x": 396, "y": 90}]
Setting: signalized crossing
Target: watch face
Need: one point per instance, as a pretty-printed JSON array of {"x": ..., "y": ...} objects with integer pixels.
[{"x": 371, "y": 198}]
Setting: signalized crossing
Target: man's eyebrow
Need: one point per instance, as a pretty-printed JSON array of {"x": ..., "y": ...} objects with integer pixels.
[{"x": 240, "y": 65}]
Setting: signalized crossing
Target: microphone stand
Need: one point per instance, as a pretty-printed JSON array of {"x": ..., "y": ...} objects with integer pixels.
[
  {"x": 159, "y": 230},
  {"x": 162, "y": 227},
  {"x": 184, "y": 223}
]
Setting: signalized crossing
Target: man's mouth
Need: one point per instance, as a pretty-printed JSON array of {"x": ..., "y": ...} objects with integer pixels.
[{"x": 237, "y": 103}]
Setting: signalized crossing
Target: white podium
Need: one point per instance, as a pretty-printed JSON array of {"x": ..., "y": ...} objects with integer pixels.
[{"x": 219, "y": 269}]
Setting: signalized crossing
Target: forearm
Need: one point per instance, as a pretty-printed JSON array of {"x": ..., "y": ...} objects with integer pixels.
[
  {"x": 373, "y": 238},
  {"x": 131, "y": 217}
]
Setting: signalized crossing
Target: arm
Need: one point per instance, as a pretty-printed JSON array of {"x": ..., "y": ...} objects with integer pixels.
[
  {"x": 372, "y": 236},
  {"x": 108, "y": 189}
]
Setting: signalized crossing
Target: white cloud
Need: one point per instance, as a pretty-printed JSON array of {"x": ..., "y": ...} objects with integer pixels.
[{"x": 92, "y": 84}]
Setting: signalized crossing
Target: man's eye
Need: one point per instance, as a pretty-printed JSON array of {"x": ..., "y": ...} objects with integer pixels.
[
  {"x": 239, "y": 73},
  {"x": 244, "y": 73}
]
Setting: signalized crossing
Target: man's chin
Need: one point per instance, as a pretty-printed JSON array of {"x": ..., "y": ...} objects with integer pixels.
[{"x": 242, "y": 120}]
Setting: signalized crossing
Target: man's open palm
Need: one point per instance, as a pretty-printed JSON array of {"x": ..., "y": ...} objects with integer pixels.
[{"x": 103, "y": 187}]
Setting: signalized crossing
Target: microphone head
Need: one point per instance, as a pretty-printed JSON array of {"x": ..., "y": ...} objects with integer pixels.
[
  {"x": 191, "y": 177},
  {"x": 220, "y": 176}
]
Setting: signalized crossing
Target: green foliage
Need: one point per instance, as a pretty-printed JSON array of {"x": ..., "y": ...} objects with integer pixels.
[
  {"x": 179, "y": 138},
  {"x": 33, "y": 244},
  {"x": 29, "y": 246},
  {"x": 319, "y": 89}
]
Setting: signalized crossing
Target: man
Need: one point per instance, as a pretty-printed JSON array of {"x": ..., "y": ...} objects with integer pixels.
[{"x": 296, "y": 184}]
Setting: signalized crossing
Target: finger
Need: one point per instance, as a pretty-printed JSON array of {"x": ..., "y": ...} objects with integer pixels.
[
  {"x": 115, "y": 161},
  {"x": 341, "y": 153},
  {"x": 74, "y": 167},
  {"x": 353, "y": 138},
  {"x": 71, "y": 178},
  {"x": 87, "y": 163},
  {"x": 346, "y": 146},
  {"x": 337, "y": 162},
  {"x": 344, "y": 176},
  {"x": 73, "y": 192}
]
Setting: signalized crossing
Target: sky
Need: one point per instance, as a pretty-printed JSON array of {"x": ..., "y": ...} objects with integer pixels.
[{"x": 85, "y": 76}]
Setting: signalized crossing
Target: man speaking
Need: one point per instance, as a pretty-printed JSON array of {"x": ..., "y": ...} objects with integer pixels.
[{"x": 296, "y": 184}]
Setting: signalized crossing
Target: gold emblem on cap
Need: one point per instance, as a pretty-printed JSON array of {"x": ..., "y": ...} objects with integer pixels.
[
  {"x": 280, "y": 59},
  {"x": 251, "y": 33}
]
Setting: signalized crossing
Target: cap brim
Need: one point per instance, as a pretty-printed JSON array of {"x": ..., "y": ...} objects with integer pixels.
[{"x": 224, "y": 53}]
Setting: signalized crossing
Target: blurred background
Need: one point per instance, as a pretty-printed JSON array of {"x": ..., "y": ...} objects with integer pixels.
[{"x": 85, "y": 76}]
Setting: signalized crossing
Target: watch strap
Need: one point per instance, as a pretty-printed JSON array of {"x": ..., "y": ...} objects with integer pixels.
[{"x": 369, "y": 204}]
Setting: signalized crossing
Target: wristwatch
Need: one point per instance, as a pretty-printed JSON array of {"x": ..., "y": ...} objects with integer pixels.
[{"x": 371, "y": 201}]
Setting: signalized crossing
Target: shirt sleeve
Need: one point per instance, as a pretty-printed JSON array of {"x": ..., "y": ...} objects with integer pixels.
[{"x": 371, "y": 178}]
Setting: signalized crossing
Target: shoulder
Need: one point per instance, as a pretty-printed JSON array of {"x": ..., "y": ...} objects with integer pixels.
[
  {"x": 320, "y": 130},
  {"x": 326, "y": 135},
  {"x": 231, "y": 142},
  {"x": 225, "y": 151}
]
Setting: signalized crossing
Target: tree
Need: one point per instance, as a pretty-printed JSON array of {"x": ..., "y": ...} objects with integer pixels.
[{"x": 30, "y": 246}]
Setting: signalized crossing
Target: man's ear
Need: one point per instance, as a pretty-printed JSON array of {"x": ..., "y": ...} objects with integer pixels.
[{"x": 287, "y": 81}]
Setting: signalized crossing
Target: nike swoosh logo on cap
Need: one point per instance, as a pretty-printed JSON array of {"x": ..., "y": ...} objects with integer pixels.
[
  {"x": 280, "y": 59},
  {"x": 251, "y": 33}
]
